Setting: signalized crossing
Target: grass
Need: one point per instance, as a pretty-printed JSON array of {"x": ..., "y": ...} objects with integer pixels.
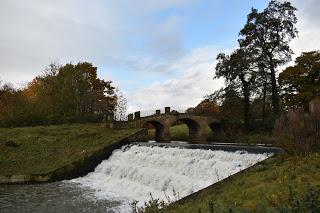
[
  {"x": 261, "y": 188},
  {"x": 43, "y": 149},
  {"x": 181, "y": 133}
]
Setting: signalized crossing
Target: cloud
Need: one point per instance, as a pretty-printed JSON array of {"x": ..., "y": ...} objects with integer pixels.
[
  {"x": 308, "y": 25},
  {"x": 188, "y": 89},
  {"x": 197, "y": 67},
  {"x": 115, "y": 33},
  {"x": 129, "y": 35}
]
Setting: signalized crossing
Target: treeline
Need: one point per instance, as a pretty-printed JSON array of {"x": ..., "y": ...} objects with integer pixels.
[
  {"x": 255, "y": 95},
  {"x": 62, "y": 94}
]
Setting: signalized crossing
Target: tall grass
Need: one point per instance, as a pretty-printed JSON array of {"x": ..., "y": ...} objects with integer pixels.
[{"x": 299, "y": 131}]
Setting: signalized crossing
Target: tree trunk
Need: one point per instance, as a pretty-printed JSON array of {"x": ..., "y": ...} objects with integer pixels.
[
  {"x": 274, "y": 89},
  {"x": 246, "y": 96},
  {"x": 264, "y": 101}
]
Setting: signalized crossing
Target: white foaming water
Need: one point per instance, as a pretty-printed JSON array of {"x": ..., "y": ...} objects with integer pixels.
[{"x": 136, "y": 172}]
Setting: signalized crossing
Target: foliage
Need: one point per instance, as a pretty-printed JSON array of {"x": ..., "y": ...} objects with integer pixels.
[
  {"x": 152, "y": 206},
  {"x": 250, "y": 70},
  {"x": 121, "y": 108},
  {"x": 232, "y": 108},
  {"x": 298, "y": 131},
  {"x": 205, "y": 107},
  {"x": 301, "y": 83},
  {"x": 238, "y": 68},
  {"x": 62, "y": 94},
  {"x": 268, "y": 34}
]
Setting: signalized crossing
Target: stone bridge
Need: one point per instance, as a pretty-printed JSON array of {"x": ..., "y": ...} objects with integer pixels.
[{"x": 198, "y": 125}]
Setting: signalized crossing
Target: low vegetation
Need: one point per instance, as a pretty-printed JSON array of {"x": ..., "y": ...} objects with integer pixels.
[
  {"x": 41, "y": 149},
  {"x": 299, "y": 132},
  {"x": 280, "y": 183}
]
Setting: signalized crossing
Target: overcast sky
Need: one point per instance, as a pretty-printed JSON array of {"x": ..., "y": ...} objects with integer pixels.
[{"x": 157, "y": 52}]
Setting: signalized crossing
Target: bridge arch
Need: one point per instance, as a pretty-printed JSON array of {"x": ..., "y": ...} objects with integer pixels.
[
  {"x": 161, "y": 134},
  {"x": 198, "y": 125},
  {"x": 194, "y": 129},
  {"x": 217, "y": 130}
]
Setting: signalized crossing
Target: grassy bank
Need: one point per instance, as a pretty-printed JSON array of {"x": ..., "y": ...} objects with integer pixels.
[
  {"x": 263, "y": 188},
  {"x": 42, "y": 149},
  {"x": 181, "y": 133}
]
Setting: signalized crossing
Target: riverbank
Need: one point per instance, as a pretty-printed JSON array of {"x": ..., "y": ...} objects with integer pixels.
[
  {"x": 280, "y": 182},
  {"x": 50, "y": 153}
]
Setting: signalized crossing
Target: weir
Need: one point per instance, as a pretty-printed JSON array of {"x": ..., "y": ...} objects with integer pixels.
[
  {"x": 229, "y": 147},
  {"x": 166, "y": 171},
  {"x": 144, "y": 170}
]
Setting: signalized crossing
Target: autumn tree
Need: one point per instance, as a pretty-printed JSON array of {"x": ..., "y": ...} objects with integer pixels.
[
  {"x": 61, "y": 94},
  {"x": 301, "y": 83},
  {"x": 269, "y": 33},
  {"x": 205, "y": 107}
]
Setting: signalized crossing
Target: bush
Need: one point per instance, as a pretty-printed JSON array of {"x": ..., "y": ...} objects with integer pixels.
[
  {"x": 299, "y": 132},
  {"x": 152, "y": 206}
]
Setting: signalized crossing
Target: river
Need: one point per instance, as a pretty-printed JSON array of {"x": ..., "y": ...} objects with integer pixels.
[{"x": 133, "y": 173}]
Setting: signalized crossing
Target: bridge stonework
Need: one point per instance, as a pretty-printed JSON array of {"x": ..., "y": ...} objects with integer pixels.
[{"x": 198, "y": 125}]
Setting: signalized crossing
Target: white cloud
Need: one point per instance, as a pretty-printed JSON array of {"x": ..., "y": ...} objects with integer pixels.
[
  {"x": 121, "y": 33},
  {"x": 188, "y": 89},
  {"x": 197, "y": 68},
  {"x": 36, "y": 32},
  {"x": 308, "y": 25}
]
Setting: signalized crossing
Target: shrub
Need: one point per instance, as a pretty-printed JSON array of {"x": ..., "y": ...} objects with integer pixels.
[
  {"x": 152, "y": 206},
  {"x": 298, "y": 131}
]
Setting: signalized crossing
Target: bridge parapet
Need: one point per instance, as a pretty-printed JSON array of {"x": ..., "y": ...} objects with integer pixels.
[
  {"x": 156, "y": 112},
  {"x": 197, "y": 124}
]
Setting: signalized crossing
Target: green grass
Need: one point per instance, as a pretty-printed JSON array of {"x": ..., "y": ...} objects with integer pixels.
[
  {"x": 260, "y": 188},
  {"x": 45, "y": 148}
]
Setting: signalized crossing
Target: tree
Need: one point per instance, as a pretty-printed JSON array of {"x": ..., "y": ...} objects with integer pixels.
[
  {"x": 301, "y": 83},
  {"x": 238, "y": 68},
  {"x": 269, "y": 33},
  {"x": 121, "y": 108},
  {"x": 205, "y": 107},
  {"x": 232, "y": 108},
  {"x": 61, "y": 94}
]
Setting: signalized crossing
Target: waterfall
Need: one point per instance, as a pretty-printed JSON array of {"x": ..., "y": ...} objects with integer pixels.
[{"x": 139, "y": 172}]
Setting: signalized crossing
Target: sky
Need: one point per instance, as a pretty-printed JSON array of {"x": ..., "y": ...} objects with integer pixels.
[{"x": 157, "y": 52}]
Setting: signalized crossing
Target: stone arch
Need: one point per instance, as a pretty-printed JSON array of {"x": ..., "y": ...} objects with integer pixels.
[
  {"x": 194, "y": 129},
  {"x": 217, "y": 130},
  {"x": 160, "y": 133}
]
